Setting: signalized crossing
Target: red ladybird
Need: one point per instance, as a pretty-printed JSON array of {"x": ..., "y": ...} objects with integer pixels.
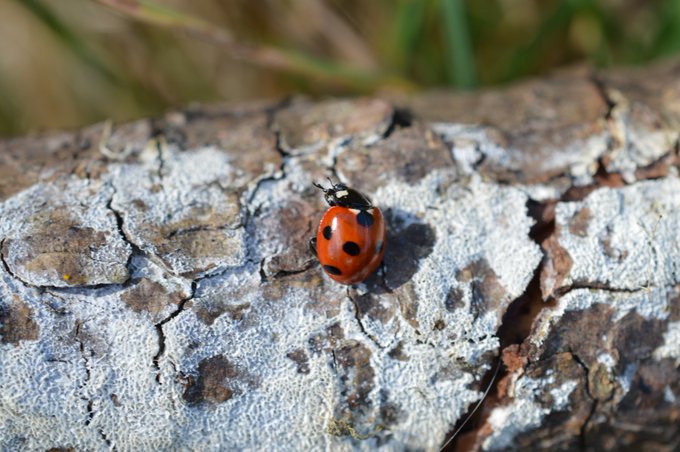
[{"x": 350, "y": 240}]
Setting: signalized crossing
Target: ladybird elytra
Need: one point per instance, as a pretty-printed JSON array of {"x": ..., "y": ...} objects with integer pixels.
[{"x": 350, "y": 239}]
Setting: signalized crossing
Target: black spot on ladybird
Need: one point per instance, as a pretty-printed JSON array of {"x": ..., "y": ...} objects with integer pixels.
[
  {"x": 327, "y": 232},
  {"x": 332, "y": 270},
  {"x": 351, "y": 248},
  {"x": 364, "y": 218}
]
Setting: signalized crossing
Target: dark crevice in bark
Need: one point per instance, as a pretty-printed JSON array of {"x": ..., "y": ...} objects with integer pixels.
[
  {"x": 271, "y": 111},
  {"x": 279, "y": 147},
  {"x": 161, "y": 162},
  {"x": 658, "y": 169},
  {"x": 279, "y": 175},
  {"x": 90, "y": 412},
  {"x": 284, "y": 273},
  {"x": 86, "y": 362},
  {"x": 136, "y": 249},
  {"x": 263, "y": 275},
  {"x": 482, "y": 157},
  {"x": 81, "y": 346},
  {"x": 105, "y": 438},
  {"x": 357, "y": 316},
  {"x": 472, "y": 419},
  {"x": 593, "y": 406},
  {"x": 595, "y": 286},
  {"x": 601, "y": 87},
  {"x": 309, "y": 263},
  {"x": 5, "y": 265},
  {"x": 520, "y": 314},
  {"x": 333, "y": 168},
  {"x": 252, "y": 254},
  {"x": 515, "y": 328},
  {"x": 55, "y": 309},
  {"x": 120, "y": 225},
  {"x": 161, "y": 333},
  {"x": 402, "y": 118},
  {"x": 602, "y": 178},
  {"x": 200, "y": 228}
]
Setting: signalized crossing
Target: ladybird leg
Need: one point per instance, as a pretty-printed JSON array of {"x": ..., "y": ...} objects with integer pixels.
[{"x": 312, "y": 246}]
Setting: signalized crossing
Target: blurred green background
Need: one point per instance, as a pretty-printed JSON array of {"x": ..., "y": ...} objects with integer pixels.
[{"x": 66, "y": 63}]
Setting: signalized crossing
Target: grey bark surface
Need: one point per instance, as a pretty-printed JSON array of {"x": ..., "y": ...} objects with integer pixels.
[{"x": 157, "y": 292}]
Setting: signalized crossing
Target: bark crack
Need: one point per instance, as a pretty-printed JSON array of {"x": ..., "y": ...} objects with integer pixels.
[
  {"x": 136, "y": 250},
  {"x": 357, "y": 317},
  {"x": 514, "y": 329},
  {"x": 161, "y": 162},
  {"x": 593, "y": 407},
  {"x": 5, "y": 265},
  {"x": 601, "y": 88},
  {"x": 283, "y": 273},
  {"x": 200, "y": 228},
  {"x": 120, "y": 226},
  {"x": 47, "y": 287},
  {"x": 595, "y": 285},
  {"x": 402, "y": 118},
  {"x": 161, "y": 333},
  {"x": 86, "y": 356}
]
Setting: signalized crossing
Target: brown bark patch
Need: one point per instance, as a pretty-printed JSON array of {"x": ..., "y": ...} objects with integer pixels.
[
  {"x": 328, "y": 340},
  {"x": 674, "y": 304},
  {"x": 578, "y": 225},
  {"x": 151, "y": 297},
  {"x": 487, "y": 293},
  {"x": 381, "y": 309},
  {"x": 308, "y": 125},
  {"x": 357, "y": 376},
  {"x": 398, "y": 352},
  {"x": 210, "y": 310},
  {"x": 16, "y": 323},
  {"x": 513, "y": 361},
  {"x": 454, "y": 299},
  {"x": 533, "y": 120},
  {"x": 24, "y": 159},
  {"x": 218, "y": 381},
  {"x": 58, "y": 245},
  {"x": 556, "y": 265},
  {"x": 61, "y": 247},
  {"x": 408, "y": 305},
  {"x": 407, "y": 155},
  {"x": 300, "y": 358},
  {"x": 287, "y": 231}
]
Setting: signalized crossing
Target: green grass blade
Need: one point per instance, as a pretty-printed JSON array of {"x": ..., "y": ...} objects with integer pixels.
[
  {"x": 667, "y": 40},
  {"x": 69, "y": 39},
  {"x": 262, "y": 55},
  {"x": 526, "y": 58},
  {"x": 460, "y": 63},
  {"x": 408, "y": 28}
]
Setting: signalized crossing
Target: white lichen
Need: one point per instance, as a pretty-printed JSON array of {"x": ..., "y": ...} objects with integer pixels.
[
  {"x": 525, "y": 412},
  {"x": 671, "y": 346}
]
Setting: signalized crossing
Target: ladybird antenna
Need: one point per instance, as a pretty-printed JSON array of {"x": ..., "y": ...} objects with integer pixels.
[
  {"x": 331, "y": 181},
  {"x": 319, "y": 186},
  {"x": 474, "y": 410}
]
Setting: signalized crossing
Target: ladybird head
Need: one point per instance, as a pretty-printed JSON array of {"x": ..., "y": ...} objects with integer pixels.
[{"x": 341, "y": 195}]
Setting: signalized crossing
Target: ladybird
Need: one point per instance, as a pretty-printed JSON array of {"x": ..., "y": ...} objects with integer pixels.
[{"x": 350, "y": 239}]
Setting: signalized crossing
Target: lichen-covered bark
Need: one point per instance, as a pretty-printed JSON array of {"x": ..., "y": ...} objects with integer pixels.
[
  {"x": 603, "y": 362},
  {"x": 157, "y": 292}
]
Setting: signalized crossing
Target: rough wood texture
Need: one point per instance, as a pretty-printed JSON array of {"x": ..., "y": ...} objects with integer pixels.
[{"x": 156, "y": 291}]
